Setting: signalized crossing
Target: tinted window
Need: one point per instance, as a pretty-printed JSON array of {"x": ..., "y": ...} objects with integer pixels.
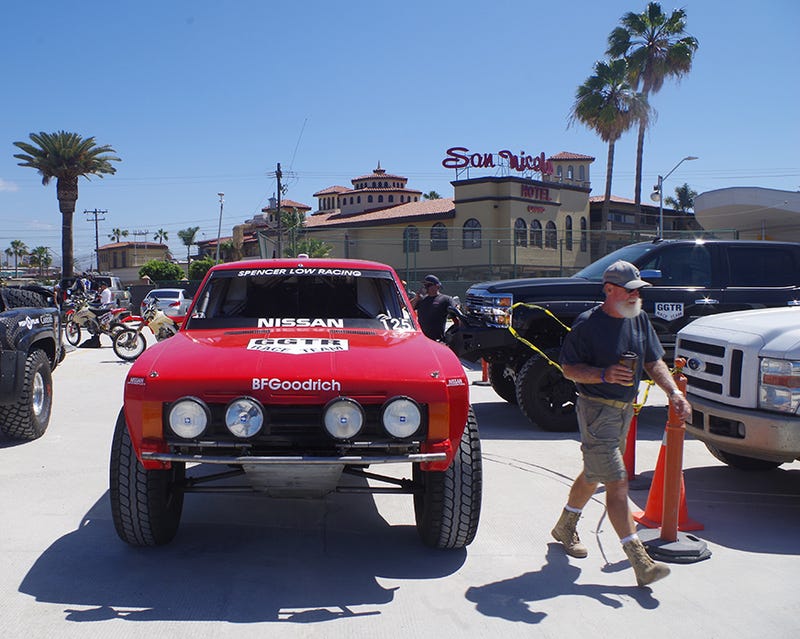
[
  {"x": 688, "y": 265},
  {"x": 762, "y": 266}
]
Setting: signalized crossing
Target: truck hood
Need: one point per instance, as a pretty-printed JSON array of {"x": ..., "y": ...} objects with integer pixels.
[
  {"x": 290, "y": 364},
  {"x": 542, "y": 288},
  {"x": 775, "y": 332}
]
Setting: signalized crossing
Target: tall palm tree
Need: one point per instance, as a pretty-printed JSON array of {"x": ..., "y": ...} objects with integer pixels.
[
  {"x": 431, "y": 195},
  {"x": 18, "y": 249},
  {"x": 116, "y": 235},
  {"x": 608, "y": 104},
  {"x": 8, "y": 253},
  {"x": 657, "y": 48},
  {"x": 40, "y": 256},
  {"x": 66, "y": 157},
  {"x": 188, "y": 238},
  {"x": 161, "y": 236}
]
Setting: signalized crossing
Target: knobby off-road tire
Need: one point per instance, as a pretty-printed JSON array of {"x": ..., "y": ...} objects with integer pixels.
[
  {"x": 502, "y": 385},
  {"x": 72, "y": 333},
  {"x": 545, "y": 396},
  {"x": 447, "y": 504},
  {"x": 20, "y": 298},
  {"x": 129, "y": 344},
  {"x": 146, "y": 505},
  {"x": 29, "y": 416},
  {"x": 740, "y": 461}
]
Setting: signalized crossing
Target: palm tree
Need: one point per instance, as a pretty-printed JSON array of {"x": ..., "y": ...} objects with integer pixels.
[
  {"x": 657, "y": 47},
  {"x": 683, "y": 201},
  {"x": 432, "y": 195},
  {"x": 40, "y": 256},
  {"x": 607, "y": 104},
  {"x": 66, "y": 157},
  {"x": 116, "y": 235},
  {"x": 8, "y": 253},
  {"x": 188, "y": 237},
  {"x": 161, "y": 236},
  {"x": 313, "y": 248},
  {"x": 18, "y": 249}
]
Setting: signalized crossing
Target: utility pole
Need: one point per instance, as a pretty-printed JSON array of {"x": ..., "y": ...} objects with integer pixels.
[
  {"x": 136, "y": 245},
  {"x": 96, "y": 219},
  {"x": 279, "y": 175}
]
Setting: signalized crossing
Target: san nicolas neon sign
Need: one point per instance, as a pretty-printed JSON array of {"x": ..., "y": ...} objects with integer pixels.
[{"x": 459, "y": 157}]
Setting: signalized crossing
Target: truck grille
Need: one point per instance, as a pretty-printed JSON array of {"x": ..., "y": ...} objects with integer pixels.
[{"x": 713, "y": 370}]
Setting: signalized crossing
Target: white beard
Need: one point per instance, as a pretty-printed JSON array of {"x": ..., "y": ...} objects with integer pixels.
[{"x": 629, "y": 310}]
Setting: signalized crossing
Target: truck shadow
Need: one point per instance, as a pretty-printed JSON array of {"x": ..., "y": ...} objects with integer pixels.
[{"x": 241, "y": 559}]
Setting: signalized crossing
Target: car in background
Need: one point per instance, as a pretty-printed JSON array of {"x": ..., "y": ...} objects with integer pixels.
[
  {"x": 120, "y": 294},
  {"x": 173, "y": 301}
]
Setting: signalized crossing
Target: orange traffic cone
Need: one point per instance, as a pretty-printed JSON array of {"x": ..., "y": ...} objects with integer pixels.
[
  {"x": 484, "y": 381},
  {"x": 652, "y": 516}
]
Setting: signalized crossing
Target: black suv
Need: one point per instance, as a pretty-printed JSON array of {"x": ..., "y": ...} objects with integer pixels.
[{"x": 690, "y": 278}]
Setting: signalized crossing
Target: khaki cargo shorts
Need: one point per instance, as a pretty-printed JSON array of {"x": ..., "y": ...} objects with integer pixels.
[{"x": 604, "y": 431}]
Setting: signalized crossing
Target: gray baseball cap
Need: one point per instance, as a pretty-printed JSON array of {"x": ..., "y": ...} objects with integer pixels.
[{"x": 624, "y": 274}]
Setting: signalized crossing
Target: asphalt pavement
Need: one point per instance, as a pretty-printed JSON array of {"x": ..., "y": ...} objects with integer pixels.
[{"x": 352, "y": 565}]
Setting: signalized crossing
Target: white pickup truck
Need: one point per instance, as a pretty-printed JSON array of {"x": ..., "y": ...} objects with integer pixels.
[{"x": 743, "y": 371}]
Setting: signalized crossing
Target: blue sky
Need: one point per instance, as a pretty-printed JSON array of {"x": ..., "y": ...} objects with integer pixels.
[{"x": 199, "y": 97}]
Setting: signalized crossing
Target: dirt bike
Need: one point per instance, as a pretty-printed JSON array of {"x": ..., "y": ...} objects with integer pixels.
[
  {"x": 130, "y": 343},
  {"x": 82, "y": 317}
]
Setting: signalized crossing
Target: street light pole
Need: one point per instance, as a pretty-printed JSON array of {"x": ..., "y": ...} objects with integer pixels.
[
  {"x": 659, "y": 192},
  {"x": 219, "y": 228}
]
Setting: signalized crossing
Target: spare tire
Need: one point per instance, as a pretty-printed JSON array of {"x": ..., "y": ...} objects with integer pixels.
[{"x": 22, "y": 298}]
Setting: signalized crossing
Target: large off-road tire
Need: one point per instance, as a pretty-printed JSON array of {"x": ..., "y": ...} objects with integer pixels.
[
  {"x": 545, "y": 396},
  {"x": 740, "y": 461},
  {"x": 129, "y": 344},
  {"x": 502, "y": 385},
  {"x": 146, "y": 505},
  {"x": 21, "y": 298},
  {"x": 72, "y": 333},
  {"x": 29, "y": 416},
  {"x": 447, "y": 504}
]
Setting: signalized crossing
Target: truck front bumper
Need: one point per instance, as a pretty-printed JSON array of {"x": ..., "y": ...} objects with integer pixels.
[
  {"x": 473, "y": 343},
  {"x": 744, "y": 431}
]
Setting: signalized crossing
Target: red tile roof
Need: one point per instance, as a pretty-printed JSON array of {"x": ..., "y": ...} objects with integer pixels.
[
  {"x": 442, "y": 208},
  {"x": 331, "y": 190},
  {"x": 289, "y": 204},
  {"x": 566, "y": 155},
  {"x": 143, "y": 244}
]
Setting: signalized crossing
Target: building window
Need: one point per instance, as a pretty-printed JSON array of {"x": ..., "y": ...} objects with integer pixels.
[
  {"x": 373, "y": 185},
  {"x": 351, "y": 199},
  {"x": 550, "y": 235},
  {"x": 471, "y": 234},
  {"x": 438, "y": 237},
  {"x": 411, "y": 240},
  {"x": 520, "y": 232},
  {"x": 391, "y": 198},
  {"x": 536, "y": 233},
  {"x": 380, "y": 198},
  {"x": 582, "y": 173},
  {"x": 570, "y": 172},
  {"x": 584, "y": 236},
  {"x": 568, "y": 233},
  {"x": 559, "y": 171},
  {"x": 358, "y": 199},
  {"x": 369, "y": 199}
]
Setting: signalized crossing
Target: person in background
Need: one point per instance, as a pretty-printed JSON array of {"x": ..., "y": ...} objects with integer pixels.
[
  {"x": 101, "y": 308},
  {"x": 432, "y": 307},
  {"x": 592, "y": 357}
]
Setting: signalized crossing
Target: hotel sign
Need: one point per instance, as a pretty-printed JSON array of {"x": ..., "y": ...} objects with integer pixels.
[{"x": 460, "y": 157}]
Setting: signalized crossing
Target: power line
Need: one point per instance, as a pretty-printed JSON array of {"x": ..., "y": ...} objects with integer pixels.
[{"x": 95, "y": 218}]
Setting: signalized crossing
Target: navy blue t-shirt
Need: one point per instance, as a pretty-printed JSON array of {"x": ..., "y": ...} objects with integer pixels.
[{"x": 597, "y": 339}]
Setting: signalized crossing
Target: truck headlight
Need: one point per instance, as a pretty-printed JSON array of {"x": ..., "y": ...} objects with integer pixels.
[
  {"x": 244, "y": 417},
  {"x": 188, "y": 417},
  {"x": 343, "y": 418},
  {"x": 779, "y": 385},
  {"x": 495, "y": 310},
  {"x": 401, "y": 417}
]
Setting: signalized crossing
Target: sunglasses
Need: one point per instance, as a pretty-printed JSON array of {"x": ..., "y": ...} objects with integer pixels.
[
  {"x": 428, "y": 284},
  {"x": 629, "y": 291}
]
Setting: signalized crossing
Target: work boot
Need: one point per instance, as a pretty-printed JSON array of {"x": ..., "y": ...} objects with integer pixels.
[
  {"x": 647, "y": 571},
  {"x": 566, "y": 532},
  {"x": 92, "y": 342}
]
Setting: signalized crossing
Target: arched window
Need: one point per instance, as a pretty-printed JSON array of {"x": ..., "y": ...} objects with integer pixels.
[
  {"x": 570, "y": 172},
  {"x": 559, "y": 171},
  {"x": 584, "y": 236},
  {"x": 351, "y": 199},
  {"x": 358, "y": 199},
  {"x": 471, "y": 234},
  {"x": 568, "y": 233},
  {"x": 550, "y": 235},
  {"x": 391, "y": 198},
  {"x": 536, "y": 233},
  {"x": 582, "y": 173},
  {"x": 411, "y": 240},
  {"x": 438, "y": 237},
  {"x": 520, "y": 232},
  {"x": 380, "y": 198},
  {"x": 369, "y": 199}
]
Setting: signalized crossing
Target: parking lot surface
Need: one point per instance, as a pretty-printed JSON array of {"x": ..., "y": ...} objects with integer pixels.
[{"x": 352, "y": 565}]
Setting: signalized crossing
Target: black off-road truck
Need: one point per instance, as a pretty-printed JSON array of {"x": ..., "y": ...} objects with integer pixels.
[
  {"x": 518, "y": 326},
  {"x": 30, "y": 348}
]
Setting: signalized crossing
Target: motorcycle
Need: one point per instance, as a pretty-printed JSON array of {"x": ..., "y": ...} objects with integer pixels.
[
  {"x": 80, "y": 316},
  {"x": 130, "y": 343}
]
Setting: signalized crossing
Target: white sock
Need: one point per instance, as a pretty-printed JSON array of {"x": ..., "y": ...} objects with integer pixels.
[
  {"x": 625, "y": 540},
  {"x": 573, "y": 510}
]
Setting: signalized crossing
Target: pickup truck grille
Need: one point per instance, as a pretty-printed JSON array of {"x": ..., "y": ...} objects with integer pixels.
[{"x": 712, "y": 369}]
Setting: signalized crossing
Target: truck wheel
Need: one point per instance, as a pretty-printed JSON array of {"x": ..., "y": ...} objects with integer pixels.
[
  {"x": 72, "y": 332},
  {"x": 447, "y": 504},
  {"x": 29, "y": 416},
  {"x": 146, "y": 505},
  {"x": 740, "y": 461},
  {"x": 502, "y": 385},
  {"x": 545, "y": 396},
  {"x": 129, "y": 344}
]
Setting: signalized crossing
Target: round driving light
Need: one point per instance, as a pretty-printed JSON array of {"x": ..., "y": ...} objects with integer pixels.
[
  {"x": 401, "y": 417},
  {"x": 343, "y": 418},
  {"x": 244, "y": 417},
  {"x": 188, "y": 417}
]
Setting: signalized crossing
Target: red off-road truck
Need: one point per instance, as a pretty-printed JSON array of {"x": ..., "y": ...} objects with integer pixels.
[{"x": 296, "y": 375}]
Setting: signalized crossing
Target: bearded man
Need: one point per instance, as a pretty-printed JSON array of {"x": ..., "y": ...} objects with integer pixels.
[{"x": 606, "y": 353}]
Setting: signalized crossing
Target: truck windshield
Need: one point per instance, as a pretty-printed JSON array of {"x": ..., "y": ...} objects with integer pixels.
[{"x": 633, "y": 253}]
